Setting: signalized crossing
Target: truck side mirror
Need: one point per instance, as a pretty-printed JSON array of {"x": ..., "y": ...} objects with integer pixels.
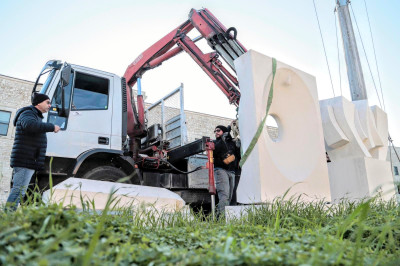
[
  {"x": 64, "y": 80},
  {"x": 62, "y": 111},
  {"x": 66, "y": 75}
]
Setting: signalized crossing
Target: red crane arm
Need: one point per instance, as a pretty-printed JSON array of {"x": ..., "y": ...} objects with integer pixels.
[
  {"x": 136, "y": 125},
  {"x": 140, "y": 65},
  {"x": 218, "y": 37}
]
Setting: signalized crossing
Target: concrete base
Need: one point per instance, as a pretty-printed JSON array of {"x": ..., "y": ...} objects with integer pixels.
[
  {"x": 238, "y": 212},
  {"x": 360, "y": 178},
  {"x": 75, "y": 190}
]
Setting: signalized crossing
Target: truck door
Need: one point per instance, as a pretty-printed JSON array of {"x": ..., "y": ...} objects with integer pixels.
[{"x": 88, "y": 123}]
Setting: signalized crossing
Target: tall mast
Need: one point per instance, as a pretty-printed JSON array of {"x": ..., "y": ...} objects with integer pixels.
[{"x": 354, "y": 70}]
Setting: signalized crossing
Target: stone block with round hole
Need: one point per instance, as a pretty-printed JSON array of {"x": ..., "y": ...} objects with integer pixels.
[{"x": 290, "y": 154}]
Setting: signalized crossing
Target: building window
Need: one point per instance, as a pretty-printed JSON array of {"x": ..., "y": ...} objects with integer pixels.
[
  {"x": 396, "y": 170},
  {"x": 4, "y": 122}
]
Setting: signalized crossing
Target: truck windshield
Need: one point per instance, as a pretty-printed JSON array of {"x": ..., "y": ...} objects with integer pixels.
[{"x": 48, "y": 81}]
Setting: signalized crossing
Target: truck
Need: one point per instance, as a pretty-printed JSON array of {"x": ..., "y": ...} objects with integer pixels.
[{"x": 104, "y": 134}]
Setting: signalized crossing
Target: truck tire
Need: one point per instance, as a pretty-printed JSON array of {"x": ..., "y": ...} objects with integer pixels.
[{"x": 106, "y": 173}]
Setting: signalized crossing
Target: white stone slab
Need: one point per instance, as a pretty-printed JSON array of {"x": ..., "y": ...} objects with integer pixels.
[
  {"x": 297, "y": 160},
  {"x": 70, "y": 191}
]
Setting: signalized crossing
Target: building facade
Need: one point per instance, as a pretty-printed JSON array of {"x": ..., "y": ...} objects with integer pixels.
[{"x": 15, "y": 93}]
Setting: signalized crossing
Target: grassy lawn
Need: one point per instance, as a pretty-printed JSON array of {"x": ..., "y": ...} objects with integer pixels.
[{"x": 282, "y": 232}]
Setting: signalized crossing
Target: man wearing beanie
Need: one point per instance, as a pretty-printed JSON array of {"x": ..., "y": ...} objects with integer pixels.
[
  {"x": 225, "y": 164},
  {"x": 29, "y": 148}
]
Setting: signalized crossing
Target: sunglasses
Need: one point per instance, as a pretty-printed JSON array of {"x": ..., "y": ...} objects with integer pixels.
[{"x": 217, "y": 130}]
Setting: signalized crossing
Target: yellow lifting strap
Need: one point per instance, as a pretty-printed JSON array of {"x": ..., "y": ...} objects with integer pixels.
[{"x": 262, "y": 124}]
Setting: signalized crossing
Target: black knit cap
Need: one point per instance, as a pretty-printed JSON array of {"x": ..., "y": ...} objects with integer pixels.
[
  {"x": 224, "y": 129},
  {"x": 38, "y": 98}
]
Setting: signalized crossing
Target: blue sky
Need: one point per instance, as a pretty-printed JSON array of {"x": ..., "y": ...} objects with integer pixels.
[{"x": 109, "y": 35}]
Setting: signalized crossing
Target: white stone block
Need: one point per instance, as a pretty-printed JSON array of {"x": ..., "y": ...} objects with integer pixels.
[
  {"x": 381, "y": 122},
  {"x": 367, "y": 121},
  {"x": 335, "y": 137},
  {"x": 70, "y": 191},
  {"x": 296, "y": 160}
]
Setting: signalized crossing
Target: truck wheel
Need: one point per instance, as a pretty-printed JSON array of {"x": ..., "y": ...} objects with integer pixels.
[{"x": 106, "y": 173}]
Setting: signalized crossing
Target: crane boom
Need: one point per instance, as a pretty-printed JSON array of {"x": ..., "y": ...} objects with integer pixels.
[{"x": 221, "y": 40}]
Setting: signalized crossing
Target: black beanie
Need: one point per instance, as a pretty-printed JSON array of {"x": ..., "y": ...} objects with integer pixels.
[
  {"x": 224, "y": 129},
  {"x": 38, "y": 98}
]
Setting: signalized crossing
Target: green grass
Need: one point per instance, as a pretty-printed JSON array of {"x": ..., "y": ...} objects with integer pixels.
[{"x": 282, "y": 232}]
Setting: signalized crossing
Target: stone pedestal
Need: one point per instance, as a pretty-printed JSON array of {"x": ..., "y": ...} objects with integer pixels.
[{"x": 360, "y": 178}]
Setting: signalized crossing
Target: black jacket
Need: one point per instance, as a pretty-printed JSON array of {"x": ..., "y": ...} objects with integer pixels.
[
  {"x": 30, "y": 143},
  {"x": 221, "y": 150}
]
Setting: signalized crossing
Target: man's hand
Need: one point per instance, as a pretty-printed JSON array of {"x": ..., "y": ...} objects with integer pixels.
[{"x": 56, "y": 128}]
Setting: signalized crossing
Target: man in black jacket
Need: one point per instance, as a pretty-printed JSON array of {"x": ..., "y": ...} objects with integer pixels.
[
  {"x": 225, "y": 166},
  {"x": 29, "y": 148}
]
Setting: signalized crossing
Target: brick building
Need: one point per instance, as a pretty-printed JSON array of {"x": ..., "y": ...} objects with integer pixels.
[{"x": 15, "y": 93}]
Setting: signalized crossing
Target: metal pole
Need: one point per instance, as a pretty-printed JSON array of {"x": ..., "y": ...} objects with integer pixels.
[
  {"x": 213, "y": 206},
  {"x": 163, "y": 119},
  {"x": 183, "y": 118},
  {"x": 353, "y": 63},
  {"x": 211, "y": 182}
]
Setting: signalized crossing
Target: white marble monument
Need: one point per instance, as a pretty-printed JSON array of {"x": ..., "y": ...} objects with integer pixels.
[{"x": 356, "y": 140}]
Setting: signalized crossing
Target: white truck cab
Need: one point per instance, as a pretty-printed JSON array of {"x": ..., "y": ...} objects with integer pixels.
[
  {"x": 89, "y": 105},
  {"x": 93, "y": 106}
]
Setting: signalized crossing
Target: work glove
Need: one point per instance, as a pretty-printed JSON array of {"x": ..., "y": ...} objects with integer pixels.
[{"x": 228, "y": 158}]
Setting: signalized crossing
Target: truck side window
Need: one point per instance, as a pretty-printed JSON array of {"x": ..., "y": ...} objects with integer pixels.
[
  {"x": 56, "y": 101},
  {"x": 90, "y": 93},
  {"x": 56, "y": 104}
]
